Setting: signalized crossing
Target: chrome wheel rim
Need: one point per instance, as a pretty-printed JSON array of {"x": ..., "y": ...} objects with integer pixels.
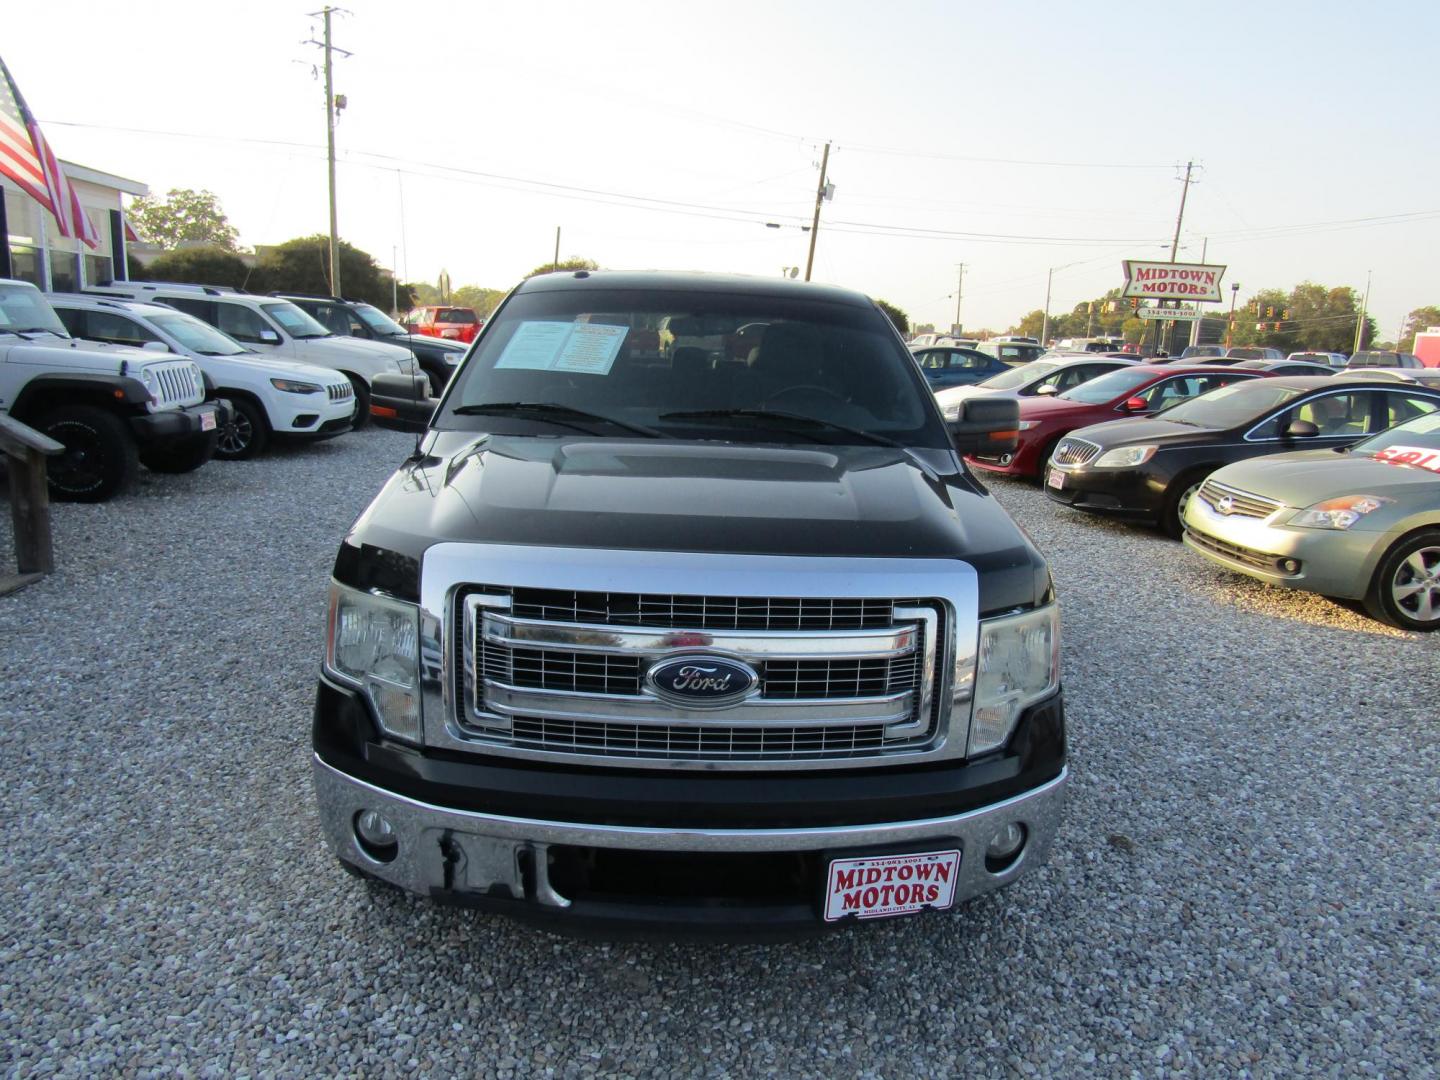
[
  {"x": 236, "y": 435},
  {"x": 1415, "y": 586},
  {"x": 1185, "y": 497}
]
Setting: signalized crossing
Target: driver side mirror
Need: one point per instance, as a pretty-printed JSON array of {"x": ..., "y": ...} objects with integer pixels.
[
  {"x": 986, "y": 426},
  {"x": 402, "y": 402},
  {"x": 1047, "y": 389},
  {"x": 1299, "y": 429},
  {"x": 1134, "y": 404},
  {"x": 269, "y": 337}
]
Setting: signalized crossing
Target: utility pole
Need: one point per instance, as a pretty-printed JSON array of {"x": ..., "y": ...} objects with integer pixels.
[
  {"x": 1179, "y": 218},
  {"x": 1360, "y": 322},
  {"x": 959, "y": 293},
  {"x": 333, "y": 105},
  {"x": 1045, "y": 322},
  {"x": 555, "y": 263},
  {"x": 1195, "y": 322},
  {"x": 819, "y": 198}
]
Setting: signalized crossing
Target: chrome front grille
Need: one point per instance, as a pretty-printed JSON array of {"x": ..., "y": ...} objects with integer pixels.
[
  {"x": 1073, "y": 451},
  {"x": 1224, "y": 499},
  {"x": 340, "y": 392},
  {"x": 556, "y": 672}
]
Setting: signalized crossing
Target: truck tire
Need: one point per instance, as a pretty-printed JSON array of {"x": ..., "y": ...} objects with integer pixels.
[
  {"x": 1405, "y": 590},
  {"x": 246, "y": 435},
  {"x": 100, "y": 459},
  {"x": 362, "y": 402},
  {"x": 180, "y": 455}
]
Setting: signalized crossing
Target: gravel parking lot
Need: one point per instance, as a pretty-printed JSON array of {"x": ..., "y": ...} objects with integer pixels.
[{"x": 1246, "y": 882}]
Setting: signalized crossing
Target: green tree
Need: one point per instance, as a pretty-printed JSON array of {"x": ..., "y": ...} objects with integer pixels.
[
  {"x": 182, "y": 216},
  {"x": 925, "y": 328},
  {"x": 196, "y": 266},
  {"x": 896, "y": 316},
  {"x": 303, "y": 265},
  {"x": 483, "y": 300},
  {"x": 572, "y": 263},
  {"x": 1418, "y": 321}
]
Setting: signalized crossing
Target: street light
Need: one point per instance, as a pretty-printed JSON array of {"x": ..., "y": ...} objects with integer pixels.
[{"x": 1234, "y": 294}]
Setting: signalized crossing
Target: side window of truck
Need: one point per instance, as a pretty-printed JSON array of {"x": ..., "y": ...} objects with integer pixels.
[{"x": 240, "y": 322}]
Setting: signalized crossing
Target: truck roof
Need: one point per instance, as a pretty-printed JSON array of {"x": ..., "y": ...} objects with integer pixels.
[{"x": 694, "y": 280}]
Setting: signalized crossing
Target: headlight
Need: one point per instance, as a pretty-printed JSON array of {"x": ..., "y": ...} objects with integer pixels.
[
  {"x": 1026, "y": 425},
  {"x": 1338, "y": 513},
  {"x": 198, "y": 379},
  {"x": 1019, "y": 664},
  {"x": 374, "y": 646},
  {"x": 291, "y": 386},
  {"x": 1124, "y": 457},
  {"x": 151, "y": 383}
]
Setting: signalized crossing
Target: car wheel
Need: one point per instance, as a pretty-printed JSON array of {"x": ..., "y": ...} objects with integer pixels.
[
  {"x": 362, "y": 402},
  {"x": 245, "y": 435},
  {"x": 1045, "y": 455},
  {"x": 1405, "y": 591},
  {"x": 1172, "y": 517},
  {"x": 100, "y": 458},
  {"x": 180, "y": 456}
]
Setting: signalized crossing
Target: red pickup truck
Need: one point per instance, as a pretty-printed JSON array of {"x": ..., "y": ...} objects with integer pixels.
[{"x": 456, "y": 323}]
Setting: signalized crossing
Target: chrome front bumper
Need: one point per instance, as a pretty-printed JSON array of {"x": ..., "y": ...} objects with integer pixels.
[{"x": 463, "y": 853}]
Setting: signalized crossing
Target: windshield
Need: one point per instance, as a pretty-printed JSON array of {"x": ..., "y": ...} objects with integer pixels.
[
  {"x": 23, "y": 308},
  {"x": 726, "y": 359},
  {"x": 296, "y": 323},
  {"x": 1233, "y": 405},
  {"x": 1421, "y": 433},
  {"x": 1108, "y": 387},
  {"x": 378, "y": 321},
  {"x": 459, "y": 316},
  {"x": 196, "y": 336},
  {"x": 1020, "y": 376}
]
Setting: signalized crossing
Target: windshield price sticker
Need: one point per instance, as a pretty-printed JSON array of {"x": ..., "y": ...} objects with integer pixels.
[
  {"x": 878, "y": 886},
  {"x": 584, "y": 348},
  {"x": 1418, "y": 456}
]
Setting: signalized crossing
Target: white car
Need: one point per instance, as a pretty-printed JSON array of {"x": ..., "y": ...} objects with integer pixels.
[
  {"x": 276, "y": 328},
  {"x": 269, "y": 397}
]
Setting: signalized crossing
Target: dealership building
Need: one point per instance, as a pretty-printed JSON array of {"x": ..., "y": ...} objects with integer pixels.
[{"x": 33, "y": 249}]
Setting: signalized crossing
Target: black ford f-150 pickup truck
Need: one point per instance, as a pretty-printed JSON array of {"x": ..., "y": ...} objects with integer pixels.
[{"x": 724, "y": 637}]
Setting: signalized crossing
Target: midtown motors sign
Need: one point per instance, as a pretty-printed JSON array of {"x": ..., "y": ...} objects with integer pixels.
[{"x": 1172, "y": 281}]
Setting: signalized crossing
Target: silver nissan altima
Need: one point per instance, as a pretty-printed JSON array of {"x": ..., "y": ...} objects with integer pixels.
[{"x": 1362, "y": 523}]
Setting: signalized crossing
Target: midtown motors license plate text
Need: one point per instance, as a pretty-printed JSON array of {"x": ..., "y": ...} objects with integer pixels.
[{"x": 878, "y": 885}]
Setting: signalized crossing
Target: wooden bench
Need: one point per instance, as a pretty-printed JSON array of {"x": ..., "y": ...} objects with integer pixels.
[{"x": 25, "y": 453}]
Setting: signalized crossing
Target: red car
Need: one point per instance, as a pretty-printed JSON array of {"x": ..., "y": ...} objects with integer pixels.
[
  {"x": 454, "y": 323},
  {"x": 1141, "y": 390}
]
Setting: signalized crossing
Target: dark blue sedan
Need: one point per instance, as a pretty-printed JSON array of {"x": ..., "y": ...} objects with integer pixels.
[{"x": 945, "y": 367}]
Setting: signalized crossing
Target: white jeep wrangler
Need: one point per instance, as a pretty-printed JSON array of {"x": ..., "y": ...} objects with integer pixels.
[{"x": 112, "y": 408}]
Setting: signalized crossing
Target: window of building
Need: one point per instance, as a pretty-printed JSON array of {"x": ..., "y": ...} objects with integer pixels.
[
  {"x": 98, "y": 269},
  {"x": 64, "y": 271}
]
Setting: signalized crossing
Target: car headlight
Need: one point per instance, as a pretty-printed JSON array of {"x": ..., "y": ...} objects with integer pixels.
[
  {"x": 1018, "y": 665},
  {"x": 151, "y": 383},
  {"x": 1123, "y": 457},
  {"x": 1338, "y": 513},
  {"x": 373, "y": 644},
  {"x": 291, "y": 386},
  {"x": 1026, "y": 425},
  {"x": 198, "y": 379}
]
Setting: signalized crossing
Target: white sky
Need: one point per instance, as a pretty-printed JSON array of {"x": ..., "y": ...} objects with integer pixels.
[{"x": 1301, "y": 113}]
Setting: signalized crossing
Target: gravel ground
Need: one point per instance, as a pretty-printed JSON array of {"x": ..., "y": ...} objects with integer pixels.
[{"x": 1245, "y": 883}]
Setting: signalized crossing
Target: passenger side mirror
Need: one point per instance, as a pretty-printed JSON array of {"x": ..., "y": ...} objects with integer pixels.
[
  {"x": 401, "y": 402},
  {"x": 1299, "y": 429},
  {"x": 1047, "y": 389},
  {"x": 986, "y": 426},
  {"x": 269, "y": 337},
  {"x": 1134, "y": 404},
  {"x": 155, "y": 346}
]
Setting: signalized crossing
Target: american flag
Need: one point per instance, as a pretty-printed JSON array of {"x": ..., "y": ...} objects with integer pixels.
[{"x": 26, "y": 158}]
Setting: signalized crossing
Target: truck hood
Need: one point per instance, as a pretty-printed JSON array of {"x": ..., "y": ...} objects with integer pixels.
[
  {"x": 279, "y": 367},
  {"x": 350, "y": 346},
  {"x": 1310, "y": 476},
  {"x": 62, "y": 353},
  {"x": 823, "y": 501}
]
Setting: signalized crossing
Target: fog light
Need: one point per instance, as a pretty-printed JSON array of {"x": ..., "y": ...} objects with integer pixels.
[
  {"x": 1005, "y": 459},
  {"x": 1289, "y": 565},
  {"x": 376, "y": 836},
  {"x": 1004, "y": 847}
]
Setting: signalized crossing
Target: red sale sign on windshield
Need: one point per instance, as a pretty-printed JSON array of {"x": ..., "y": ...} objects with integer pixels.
[{"x": 1418, "y": 456}]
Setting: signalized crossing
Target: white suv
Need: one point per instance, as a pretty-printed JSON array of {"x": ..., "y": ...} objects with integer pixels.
[
  {"x": 276, "y": 328},
  {"x": 268, "y": 397}
]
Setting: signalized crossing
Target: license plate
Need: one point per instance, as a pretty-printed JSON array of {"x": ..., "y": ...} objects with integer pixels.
[
  {"x": 1056, "y": 479},
  {"x": 878, "y": 886},
  {"x": 207, "y": 421}
]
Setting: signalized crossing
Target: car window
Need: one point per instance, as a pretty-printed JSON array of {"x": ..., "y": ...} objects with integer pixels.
[
  {"x": 1018, "y": 376},
  {"x": 968, "y": 362},
  {"x": 201, "y": 309},
  {"x": 240, "y": 322},
  {"x": 1077, "y": 374},
  {"x": 107, "y": 326},
  {"x": 1180, "y": 389},
  {"x": 333, "y": 316},
  {"x": 930, "y": 360},
  {"x": 1400, "y": 407},
  {"x": 1108, "y": 387},
  {"x": 74, "y": 320},
  {"x": 296, "y": 323},
  {"x": 1335, "y": 415},
  {"x": 195, "y": 335}
]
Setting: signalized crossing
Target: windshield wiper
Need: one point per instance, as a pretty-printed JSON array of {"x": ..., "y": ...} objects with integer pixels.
[
  {"x": 546, "y": 410},
  {"x": 787, "y": 420}
]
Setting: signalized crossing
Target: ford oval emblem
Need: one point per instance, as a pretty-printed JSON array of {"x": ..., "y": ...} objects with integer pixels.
[{"x": 701, "y": 681}]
